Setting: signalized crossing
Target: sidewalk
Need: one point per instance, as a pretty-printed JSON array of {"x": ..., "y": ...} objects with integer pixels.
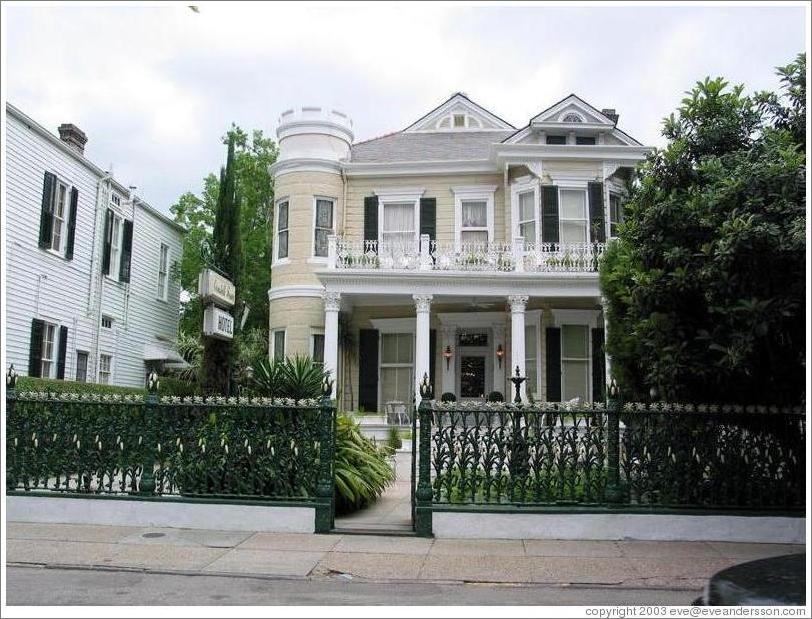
[{"x": 367, "y": 558}]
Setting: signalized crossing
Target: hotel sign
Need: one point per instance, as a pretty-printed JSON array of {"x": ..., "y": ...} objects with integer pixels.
[
  {"x": 214, "y": 288},
  {"x": 218, "y": 323}
]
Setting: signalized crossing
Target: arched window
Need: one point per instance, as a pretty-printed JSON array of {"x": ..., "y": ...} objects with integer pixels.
[{"x": 572, "y": 117}]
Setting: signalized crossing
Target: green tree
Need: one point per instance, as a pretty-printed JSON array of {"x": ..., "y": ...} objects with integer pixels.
[
  {"x": 252, "y": 155},
  {"x": 705, "y": 285}
]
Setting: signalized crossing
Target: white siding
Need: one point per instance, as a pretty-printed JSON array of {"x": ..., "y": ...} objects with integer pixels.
[{"x": 46, "y": 286}]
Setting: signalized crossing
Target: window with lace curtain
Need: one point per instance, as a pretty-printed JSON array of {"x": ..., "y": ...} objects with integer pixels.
[
  {"x": 398, "y": 224},
  {"x": 474, "y": 222}
]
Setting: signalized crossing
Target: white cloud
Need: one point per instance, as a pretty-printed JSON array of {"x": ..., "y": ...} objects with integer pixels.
[{"x": 155, "y": 87}]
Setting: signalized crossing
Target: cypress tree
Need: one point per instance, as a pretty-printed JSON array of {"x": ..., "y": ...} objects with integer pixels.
[{"x": 225, "y": 257}]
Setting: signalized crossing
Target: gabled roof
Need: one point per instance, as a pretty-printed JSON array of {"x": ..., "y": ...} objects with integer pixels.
[
  {"x": 573, "y": 102},
  {"x": 555, "y": 116},
  {"x": 427, "y": 146},
  {"x": 459, "y": 101}
]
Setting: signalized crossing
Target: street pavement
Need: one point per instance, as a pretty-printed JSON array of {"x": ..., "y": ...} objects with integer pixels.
[{"x": 182, "y": 566}]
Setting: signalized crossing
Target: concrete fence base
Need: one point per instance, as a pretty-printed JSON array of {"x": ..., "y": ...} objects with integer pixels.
[
  {"x": 161, "y": 513},
  {"x": 619, "y": 526}
]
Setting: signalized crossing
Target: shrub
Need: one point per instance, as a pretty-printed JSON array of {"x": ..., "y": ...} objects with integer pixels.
[
  {"x": 394, "y": 442},
  {"x": 496, "y": 396},
  {"x": 361, "y": 470},
  {"x": 296, "y": 377},
  {"x": 448, "y": 397},
  {"x": 29, "y": 383},
  {"x": 174, "y": 386}
]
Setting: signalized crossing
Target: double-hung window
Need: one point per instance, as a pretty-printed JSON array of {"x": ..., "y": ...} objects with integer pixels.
[
  {"x": 278, "y": 344},
  {"x": 323, "y": 226},
  {"x": 474, "y": 223},
  {"x": 115, "y": 246},
  {"x": 531, "y": 359},
  {"x": 317, "y": 347},
  {"x": 527, "y": 216},
  {"x": 48, "y": 363},
  {"x": 60, "y": 216},
  {"x": 398, "y": 224},
  {"x": 615, "y": 213},
  {"x": 81, "y": 366},
  {"x": 573, "y": 216},
  {"x": 105, "y": 369},
  {"x": 575, "y": 362},
  {"x": 163, "y": 272},
  {"x": 397, "y": 367},
  {"x": 282, "y": 230}
]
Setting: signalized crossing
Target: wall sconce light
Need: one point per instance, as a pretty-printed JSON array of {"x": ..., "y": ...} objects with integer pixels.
[
  {"x": 500, "y": 353},
  {"x": 447, "y": 353}
]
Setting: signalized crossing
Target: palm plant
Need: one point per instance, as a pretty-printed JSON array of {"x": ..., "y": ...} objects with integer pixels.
[
  {"x": 296, "y": 377},
  {"x": 360, "y": 469}
]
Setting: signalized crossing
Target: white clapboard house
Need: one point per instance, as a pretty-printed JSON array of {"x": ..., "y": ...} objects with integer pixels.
[{"x": 89, "y": 290}]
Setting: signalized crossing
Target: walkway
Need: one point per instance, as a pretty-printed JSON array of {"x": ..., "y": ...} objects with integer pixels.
[
  {"x": 682, "y": 566},
  {"x": 393, "y": 510}
]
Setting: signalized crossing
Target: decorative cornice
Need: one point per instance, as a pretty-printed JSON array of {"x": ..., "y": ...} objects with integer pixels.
[
  {"x": 298, "y": 290},
  {"x": 286, "y": 166}
]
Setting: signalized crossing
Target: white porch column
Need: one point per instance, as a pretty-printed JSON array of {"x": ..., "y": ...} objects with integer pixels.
[
  {"x": 518, "y": 303},
  {"x": 450, "y": 365},
  {"x": 332, "y": 304},
  {"x": 422, "y": 335}
]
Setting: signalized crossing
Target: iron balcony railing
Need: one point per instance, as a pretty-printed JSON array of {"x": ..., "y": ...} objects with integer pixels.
[{"x": 427, "y": 255}]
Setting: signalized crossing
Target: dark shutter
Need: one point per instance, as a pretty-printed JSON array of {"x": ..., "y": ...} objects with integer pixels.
[
  {"x": 432, "y": 358},
  {"x": 108, "y": 241},
  {"x": 598, "y": 366},
  {"x": 35, "y": 349},
  {"x": 126, "y": 251},
  {"x": 549, "y": 214},
  {"x": 371, "y": 218},
  {"x": 368, "y": 369},
  {"x": 74, "y": 204},
  {"x": 553, "y": 353},
  {"x": 597, "y": 220},
  {"x": 46, "y": 217},
  {"x": 428, "y": 217},
  {"x": 63, "y": 349}
]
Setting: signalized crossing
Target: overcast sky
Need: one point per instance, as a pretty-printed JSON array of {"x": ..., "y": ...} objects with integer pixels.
[{"x": 154, "y": 88}]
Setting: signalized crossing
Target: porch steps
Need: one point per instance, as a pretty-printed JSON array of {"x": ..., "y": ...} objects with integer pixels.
[{"x": 390, "y": 531}]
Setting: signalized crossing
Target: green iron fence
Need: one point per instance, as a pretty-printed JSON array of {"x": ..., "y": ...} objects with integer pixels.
[
  {"x": 273, "y": 451},
  {"x": 642, "y": 456}
]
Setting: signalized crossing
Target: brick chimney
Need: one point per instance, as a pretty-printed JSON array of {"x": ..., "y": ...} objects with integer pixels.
[
  {"x": 73, "y": 136},
  {"x": 611, "y": 114}
]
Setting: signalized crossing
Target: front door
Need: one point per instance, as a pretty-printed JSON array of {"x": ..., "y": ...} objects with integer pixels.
[{"x": 472, "y": 376}]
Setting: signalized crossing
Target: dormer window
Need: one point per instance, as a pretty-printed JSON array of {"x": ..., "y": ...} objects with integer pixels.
[
  {"x": 459, "y": 120},
  {"x": 582, "y": 140},
  {"x": 556, "y": 139}
]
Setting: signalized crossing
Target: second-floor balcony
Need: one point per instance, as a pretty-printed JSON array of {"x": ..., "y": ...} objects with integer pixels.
[{"x": 427, "y": 255}]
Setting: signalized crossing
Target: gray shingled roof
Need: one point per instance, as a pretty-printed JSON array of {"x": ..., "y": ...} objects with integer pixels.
[{"x": 432, "y": 146}]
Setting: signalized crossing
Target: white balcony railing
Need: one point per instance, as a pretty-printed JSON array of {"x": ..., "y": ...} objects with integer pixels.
[{"x": 427, "y": 255}]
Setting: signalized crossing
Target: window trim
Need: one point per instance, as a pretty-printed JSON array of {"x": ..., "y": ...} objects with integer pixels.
[
  {"x": 109, "y": 318},
  {"x": 316, "y": 199},
  {"x": 612, "y": 223},
  {"x": 110, "y": 371},
  {"x": 400, "y": 195},
  {"x": 586, "y": 318},
  {"x": 474, "y": 193},
  {"x": 275, "y": 258},
  {"x": 284, "y": 343},
  {"x": 163, "y": 293}
]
